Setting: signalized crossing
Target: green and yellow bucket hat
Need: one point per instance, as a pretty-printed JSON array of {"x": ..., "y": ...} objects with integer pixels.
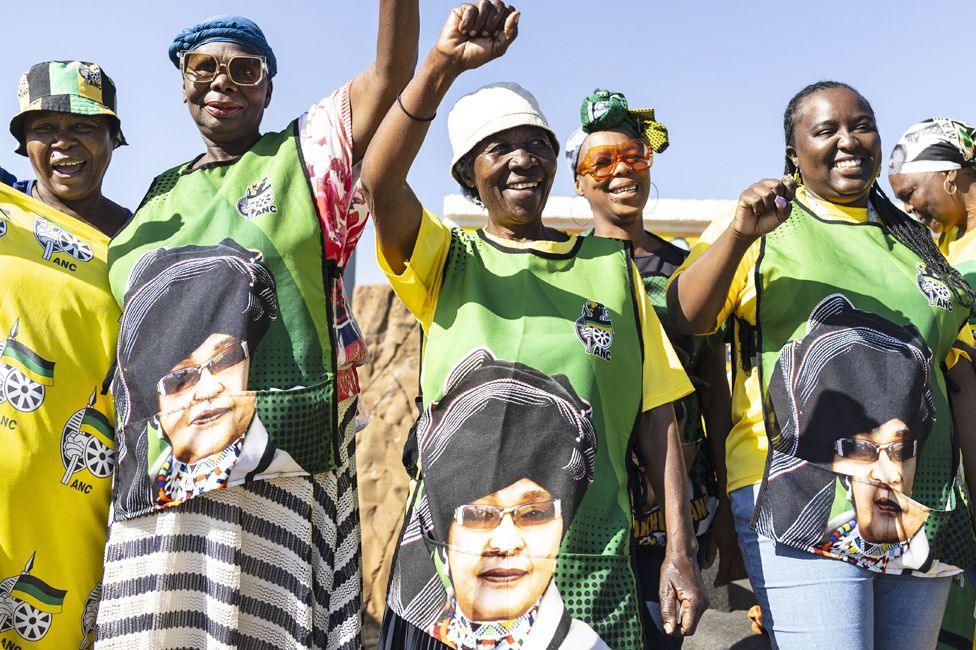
[{"x": 75, "y": 87}]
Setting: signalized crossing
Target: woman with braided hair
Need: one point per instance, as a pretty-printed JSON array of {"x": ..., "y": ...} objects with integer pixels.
[
  {"x": 612, "y": 153},
  {"x": 824, "y": 253}
]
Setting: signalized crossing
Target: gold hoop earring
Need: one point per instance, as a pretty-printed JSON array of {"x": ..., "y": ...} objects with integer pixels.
[{"x": 946, "y": 186}]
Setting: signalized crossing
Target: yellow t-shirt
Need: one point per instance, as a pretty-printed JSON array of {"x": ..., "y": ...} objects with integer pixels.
[
  {"x": 420, "y": 284},
  {"x": 746, "y": 447},
  {"x": 58, "y": 328}
]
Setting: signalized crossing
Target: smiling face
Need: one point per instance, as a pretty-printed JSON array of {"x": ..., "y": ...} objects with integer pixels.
[
  {"x": 223, "y": 111},
  {"x": 499, "y": 573},
  {"x": 204, "y": 416},
  {"x": 924, "y": 195},
  {"x": 836, "y": 146},
  {"x": 621, "y": 198},
  {"x": 69, "y": 153},
  {"x": 883, "y": 510},
  {"x": 513, "y": 172}
]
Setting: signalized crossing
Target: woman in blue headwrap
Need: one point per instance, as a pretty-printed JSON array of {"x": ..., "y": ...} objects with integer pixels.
[{"x": 235, "y": 515}]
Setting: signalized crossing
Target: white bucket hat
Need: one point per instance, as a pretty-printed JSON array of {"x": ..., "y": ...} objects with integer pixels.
[{"x": 488, "y": 110}]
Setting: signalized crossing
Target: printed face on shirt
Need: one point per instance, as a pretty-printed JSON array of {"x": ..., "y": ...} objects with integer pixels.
[
  {"x": 884, "y": 515},
  {"x": 886, "y": 457},
  {"x": 203, "y": 405},
  {"x": 499, "y": 570}
]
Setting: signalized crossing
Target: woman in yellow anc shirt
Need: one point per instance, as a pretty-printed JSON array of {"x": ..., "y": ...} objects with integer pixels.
[{"x": 58, "y": 328}]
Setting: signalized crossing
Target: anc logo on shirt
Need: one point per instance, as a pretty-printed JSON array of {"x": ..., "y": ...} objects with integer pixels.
[
  {"x": 54, "y": 239},
  {"x": 3, "y": 222},
  {"x": 87, "y": 442},
  {"x": 595, "y": 330},
  {"x": 28, "y": 603},
  {"x": 258, "y": 199},
  {"x": 935, "y": 290},
  {"x": 88, "y": 615},
  {"x": 23, "y": 373}
]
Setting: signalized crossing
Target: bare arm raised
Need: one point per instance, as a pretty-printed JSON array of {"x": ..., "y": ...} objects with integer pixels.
[
  {"x": 473, "y": 35},
  {"x": 696, "y": 296},
  {"x": 372, "y": 92}
]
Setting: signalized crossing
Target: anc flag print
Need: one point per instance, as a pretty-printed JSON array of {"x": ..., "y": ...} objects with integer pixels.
[
  {"x": 98, "y": 425},
  {"x": 33, "y": 365},
  {"x": 37, "y": 593}
]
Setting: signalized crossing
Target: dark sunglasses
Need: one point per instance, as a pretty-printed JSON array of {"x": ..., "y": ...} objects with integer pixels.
[
  {"x": 865, "y": 451},
  {"x": 186, "y": 378},
  {"x": 243, "y": 69}
]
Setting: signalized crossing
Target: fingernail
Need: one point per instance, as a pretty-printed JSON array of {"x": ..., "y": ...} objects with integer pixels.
[
  {"x": 668, "y": 627},
  {"x": 472, "y": 33},
  {"x": 780, "y": 202}
]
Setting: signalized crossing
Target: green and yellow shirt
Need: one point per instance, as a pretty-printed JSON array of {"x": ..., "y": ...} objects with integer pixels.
[{"x": 58, "y": 327}]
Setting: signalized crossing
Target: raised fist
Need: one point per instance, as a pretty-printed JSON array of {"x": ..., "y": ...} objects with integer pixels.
[
  {"x": 74, "y": 444},
  {"x": 476, "y": 33},
  {"x": 763, "y": 206}
]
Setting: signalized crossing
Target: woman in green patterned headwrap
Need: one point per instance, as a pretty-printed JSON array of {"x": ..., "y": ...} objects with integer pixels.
[{"x": 612, "y": 154}]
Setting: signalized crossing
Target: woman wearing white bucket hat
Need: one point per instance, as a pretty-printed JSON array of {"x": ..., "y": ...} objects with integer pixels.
[{"x": 543, "y": 364}]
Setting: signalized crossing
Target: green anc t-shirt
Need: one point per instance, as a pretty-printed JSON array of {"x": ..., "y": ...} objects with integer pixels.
[{"x": 58, "y": 327}]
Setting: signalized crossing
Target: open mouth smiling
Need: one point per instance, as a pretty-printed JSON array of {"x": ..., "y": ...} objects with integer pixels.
[
  {"x": 623, "y": 190},
  {"x": 68, "y": 166},
  {"x": 850, "y": 164}
]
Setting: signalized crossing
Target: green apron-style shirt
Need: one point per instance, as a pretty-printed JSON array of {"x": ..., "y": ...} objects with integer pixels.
[
  {"x": 863, "y": 463},
  {"x": 519, "y": 527},
  {"x": 226, "y": 363}
]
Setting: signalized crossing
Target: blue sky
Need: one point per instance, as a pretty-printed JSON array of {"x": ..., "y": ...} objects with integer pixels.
[{"x": 719, "y": 74}]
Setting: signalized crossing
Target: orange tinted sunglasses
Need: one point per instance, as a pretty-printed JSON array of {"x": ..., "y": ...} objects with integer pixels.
[{"x": 601, "y": 161}]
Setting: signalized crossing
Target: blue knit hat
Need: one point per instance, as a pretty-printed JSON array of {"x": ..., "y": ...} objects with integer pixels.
[{"x": 224, "y": 29}]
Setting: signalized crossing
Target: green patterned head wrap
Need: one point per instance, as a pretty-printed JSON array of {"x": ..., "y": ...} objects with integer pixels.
[{"x": 604, "y": 110}]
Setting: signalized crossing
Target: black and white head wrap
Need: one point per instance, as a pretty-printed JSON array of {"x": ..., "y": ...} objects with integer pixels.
[
  {"x": 499, "y": 422},
  {"x": 934, "y": 145}
]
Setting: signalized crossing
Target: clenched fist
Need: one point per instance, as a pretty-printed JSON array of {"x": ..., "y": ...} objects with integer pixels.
[
  {"x": 762, "y": 207},
  {"x": 476, "y": 33}
]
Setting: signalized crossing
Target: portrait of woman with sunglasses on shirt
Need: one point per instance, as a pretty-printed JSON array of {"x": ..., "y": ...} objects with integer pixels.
[
  {"x": 188, "y": 395},
  {"x": 496, "y": 534},
  {"x": 856, "y": 440}
]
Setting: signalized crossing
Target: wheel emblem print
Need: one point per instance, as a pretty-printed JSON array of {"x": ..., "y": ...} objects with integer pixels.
[
  {"x": 31, "y": 623},
  {"x": 23, "y": 393}
]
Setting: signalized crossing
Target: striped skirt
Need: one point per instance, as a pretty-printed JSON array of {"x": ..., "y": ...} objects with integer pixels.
[{"x": 273, "y": 564}]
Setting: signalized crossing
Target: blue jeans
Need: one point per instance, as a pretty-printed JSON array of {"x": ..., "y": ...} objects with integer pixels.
[{"x": 812, "y": 602}]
